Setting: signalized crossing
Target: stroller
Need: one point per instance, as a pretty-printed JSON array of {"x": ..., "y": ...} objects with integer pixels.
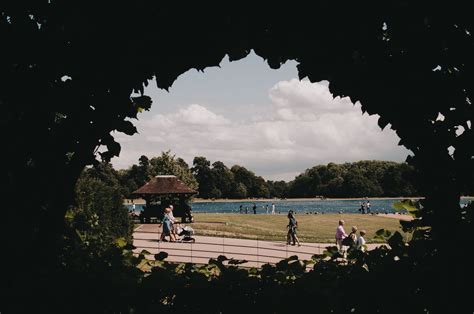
[{"x": 185, "y": 233}]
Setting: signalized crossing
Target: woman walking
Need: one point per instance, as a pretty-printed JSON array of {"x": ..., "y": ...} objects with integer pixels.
[
  {"x": 167, "y": 226},
  {"x": 292, "y": 225},
  {"x": 340, "y": 235}
]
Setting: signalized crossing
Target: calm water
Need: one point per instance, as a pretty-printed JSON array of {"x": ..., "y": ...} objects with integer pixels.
[{"x": 283, "y": 206}]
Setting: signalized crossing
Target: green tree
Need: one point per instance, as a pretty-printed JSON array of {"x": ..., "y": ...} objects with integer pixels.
[
  {"x": 99, "y": 214},
  {"x": 240, "y": 191},
  {"x": 223, "y": 178},
  {"x": 261, "y": 188},
  {"x": 278, "y": 188},
  {"x": 245, "y": 177},
  {"x": 168, "y": 164},
  {"x": 203, "y": 174},
  {"x": 136, "y": 176}
]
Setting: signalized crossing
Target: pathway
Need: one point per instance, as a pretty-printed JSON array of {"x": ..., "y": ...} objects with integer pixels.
[{"x": 256, "y": 252}]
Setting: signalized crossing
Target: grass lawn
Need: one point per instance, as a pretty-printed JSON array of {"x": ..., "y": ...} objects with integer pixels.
[{"x": 312, "y": 228}]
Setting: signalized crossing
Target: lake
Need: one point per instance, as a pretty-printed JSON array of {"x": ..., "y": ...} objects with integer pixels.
[{"x": 300, "y": 206}]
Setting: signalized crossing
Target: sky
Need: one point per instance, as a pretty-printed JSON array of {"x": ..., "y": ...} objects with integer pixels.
[{"x": 266, "y": 120}]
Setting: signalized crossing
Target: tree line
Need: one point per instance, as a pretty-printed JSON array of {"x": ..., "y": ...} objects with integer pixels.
[{"x": 216, "y": 180}]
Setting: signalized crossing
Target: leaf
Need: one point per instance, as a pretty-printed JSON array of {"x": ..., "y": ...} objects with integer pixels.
[
  {"x": 396, "y": 240},
  {"x": 161, "y": 256},
  {"x": 142, "y": 102},
  {"x": 408, "y": 205},
  {"x": 221, "y": 258},
  {"x": 292, "y": 258},
  {"x": 380, "y": 232},
  {"x": 145, "y": 252},
  {"x": 120, "y": 242},
  {"x": 129, "y": 247},
  {"x": 398, "y": 206},
  {"x": 127, "y": 127},
  {"x": 237, "y": 261},
  {"x": 331, "y": 251}
]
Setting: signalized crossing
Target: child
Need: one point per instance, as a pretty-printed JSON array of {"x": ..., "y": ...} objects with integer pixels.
[
  {"x": 361, "y": 241},
  {"x": 351, "y": 240}
]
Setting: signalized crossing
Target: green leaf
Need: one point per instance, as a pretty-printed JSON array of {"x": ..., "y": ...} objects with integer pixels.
[
  {"x": 380, "y": 232},
  {"x": 398, "y": 206},
  {"x": 331, "y": 251},
  {"x": 120, "y": 242},
  {"x": 410, "y": 206}
]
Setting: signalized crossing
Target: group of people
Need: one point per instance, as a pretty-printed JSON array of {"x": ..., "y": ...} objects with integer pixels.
[
  {"x": 245, "y": 209},
  {"x": 351, "y": 240},
  {"x": 365, "y": 207}
]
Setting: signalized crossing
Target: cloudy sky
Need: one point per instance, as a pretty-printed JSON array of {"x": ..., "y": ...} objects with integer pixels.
[{"x": 266, "y": 120}]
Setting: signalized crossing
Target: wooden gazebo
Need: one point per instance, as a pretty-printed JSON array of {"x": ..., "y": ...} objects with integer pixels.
[{"x": 162, "y": 191}]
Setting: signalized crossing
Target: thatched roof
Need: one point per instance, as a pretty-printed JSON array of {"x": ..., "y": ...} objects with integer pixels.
[{"x": 161, "y": 185}]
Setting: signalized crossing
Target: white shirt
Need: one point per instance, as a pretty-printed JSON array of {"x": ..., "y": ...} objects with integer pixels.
[
  {"x": 170, "y": 215},
  {"x": 360, "y": 243}
]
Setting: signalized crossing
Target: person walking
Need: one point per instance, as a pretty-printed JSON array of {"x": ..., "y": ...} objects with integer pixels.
[
  {"x": 360, "y": 244},
  {"x": 266, "y": 208},
  {"x": 241, "y": 208},
  {"x": 291, "y": 236},
  {"x": 367, "y": 205},
  {"x": 167, "y": 226},
  {"x": 246, "y": 209},
  {"x": 273, "y": 208},
  {"x": 351, "y": 240},
  {"x": 254, "y": 207},
  {"x": 340, "y": 235},
  {"x": 173, "y": 221}
]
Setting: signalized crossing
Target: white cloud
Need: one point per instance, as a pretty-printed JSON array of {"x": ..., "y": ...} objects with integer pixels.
[{"x": 304, "y": 126}]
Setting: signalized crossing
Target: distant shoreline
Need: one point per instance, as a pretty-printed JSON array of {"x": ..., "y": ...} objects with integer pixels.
[
  {"x": 223, "y": 200},
  {"x": 268, "y": 200}
]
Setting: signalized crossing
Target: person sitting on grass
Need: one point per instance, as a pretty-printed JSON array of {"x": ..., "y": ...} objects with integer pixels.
[
  {"x": 361, "y": 241},
  {"x": 292, "y": 225}
]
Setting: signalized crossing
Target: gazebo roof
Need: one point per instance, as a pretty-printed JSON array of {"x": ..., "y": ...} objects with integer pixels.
[{"x": 162, "y": 185}]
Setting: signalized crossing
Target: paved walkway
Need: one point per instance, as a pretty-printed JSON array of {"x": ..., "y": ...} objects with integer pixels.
[{"x": 256, "y": 252}]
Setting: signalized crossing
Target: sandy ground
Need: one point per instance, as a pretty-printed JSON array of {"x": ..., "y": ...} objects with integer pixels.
[{"x": 256, "y": 252}]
